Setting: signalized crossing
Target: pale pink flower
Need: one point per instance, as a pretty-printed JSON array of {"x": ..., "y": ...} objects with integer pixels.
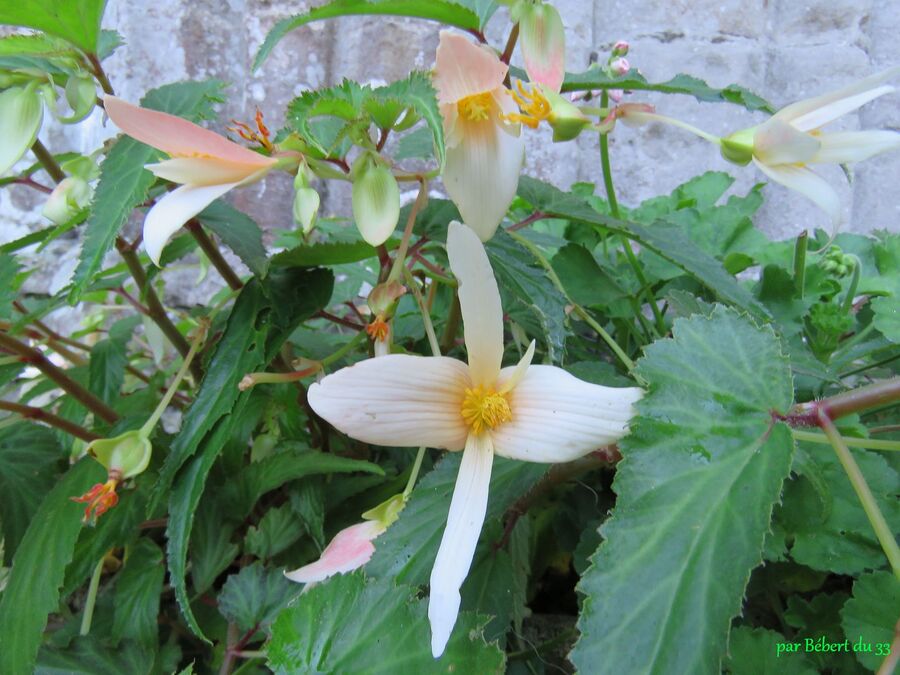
[
  {"x": 350, "y": 549},
  {"x": 543, "y": 40}
]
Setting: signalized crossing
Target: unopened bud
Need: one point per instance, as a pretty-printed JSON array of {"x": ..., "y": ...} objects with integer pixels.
[
  {"x": 67, "y": 200},
  {"x": 375, "y": 200},
  {"x": 382, "y": 298},
  {"x": 738, "y": 147},
  {"x": 566, "y": 119},
  {"x": 306, "y": 208},
  {"x": 21, "y": 112},
  {"x": 620, "y": 48},
  {"x": 81, "y": 95},
  {"x": 543, "y": 40},
  {"x": 620, "y": 66}
]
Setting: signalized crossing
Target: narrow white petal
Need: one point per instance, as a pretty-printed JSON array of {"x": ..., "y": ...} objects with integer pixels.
[
  {"x": 481, "y": 173},
  {"x": 467, "y": 509},
  {"x": 479, "y": 300},
  {"x": 174, "y": 210},
  {"x": 794, "y": 112},
  {"x": 777, "y": 142},
  {"x": 854, "y": 146},
  {"x": 397, "y": 400},
  {"x": 557, "y": 418},
  {"x": 808, "y": 183},
  {"x": 822, "y": 116},
  {"x": 517, "y": 373},
  {"x": 202, "y": 170}
]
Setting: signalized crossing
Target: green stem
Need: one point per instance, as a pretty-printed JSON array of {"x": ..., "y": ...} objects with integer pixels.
[
  {"x": 100, "y": 74},
  {"x": 346, "y": 349},
  {"x": 847, "y": 305},
  {"x": 48, "y": 161},
  {"x": 551, "y": 273},
  {"x": 866, "y": 443},
  {"x": 91, "y": 599},
  {"x": 448, "y": 339},
  {"x": 418, "y": 205},
  {"x": 410, "y": 484},
  {"x": 800, "y": 248},
  {"x": 423, "y": 309},
  {"x": 147, "y": 429},
  {"x": 876, "y": 518}
]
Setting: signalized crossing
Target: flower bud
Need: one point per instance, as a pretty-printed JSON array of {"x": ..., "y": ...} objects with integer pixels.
[
  {"x": 620, "y": 66},
  {"x": 81, "y": 95},
  {"x": 543, "y": 41},
  {"x": 68, "y": 198},
  {"x": 21, "y": 113},
  {"x": 306, "y": 208},
  {"x": 620, "y": 48},
  {"x": 376, "y": 201},
  {"x": 382, "y": 298}
]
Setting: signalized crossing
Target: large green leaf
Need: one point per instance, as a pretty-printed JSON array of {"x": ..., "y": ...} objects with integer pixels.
[
  {"x": 444, "y": 11},
  {"x": 351, "y": 625},
  {"x": 870, "y": 616},
  {"x": 138, "y": 588},
  {"x": 77, "y": 21},
  {"x": 29, "y": 458},
  {"x": 255, "y": 595},
  {"x": 32, "y": 591},
  {"x": 764, "y": 652},
  {"x": 667, "y": 240},
  {"x": 702, "y": 469},
  {"x": 314, "y": 255},
  {"x": 239, "y": 232},
  {"x": 406, "y": 552},
  {"x": 416, "y": 92},
  {"x": 123, "y": 181}
]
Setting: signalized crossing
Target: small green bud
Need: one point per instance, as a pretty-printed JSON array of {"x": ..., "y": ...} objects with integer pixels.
[
  {"x": 566, "y": 119},
  {"x": 387, "y": 512},
  {"x": 21, "y": 113},
  {"x": 738, "y": 147},
  {"x": 375, "y": 200},
  {"x": 81, "y": 95},
  {"x": 67, "y": 199}
]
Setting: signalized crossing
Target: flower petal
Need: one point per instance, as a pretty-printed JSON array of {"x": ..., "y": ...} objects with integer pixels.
[
  {"x": 454, "y": 558},
  {"x": 812, "y": 113},
  {"x": 543, "y": 41},
  {"x": 479, "y": 300},
  {"x": 481, "y": 173},
  {"x": 350, "y": 549},
  {"x": 557, "y": 418},
  {"x": 463, "y": 68},
  {"x": 777, "y": 142},
  {"x": 808, "y": 183},
  {"x": 176, "y": 136},
  {"x": 21, "y": 113},
  {"x": 519, "y": 371},
  {"x": 174, "y": 210},
  {"x": 397, "y": 400},
  {"x": 854, "y": 146},
  {"x": 202, "y": 170}
]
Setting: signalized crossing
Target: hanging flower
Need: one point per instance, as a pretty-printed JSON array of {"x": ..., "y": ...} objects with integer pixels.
[
  {"x": 484, "y": 153},
  {"x": 206, "y": 164},
  {"x": 783, "y": 146},
  {"x": 525, "y": 412},
  {"x": 543, "y": 40}
]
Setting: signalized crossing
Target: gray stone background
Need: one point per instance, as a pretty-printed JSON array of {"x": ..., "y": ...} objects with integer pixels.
[{"x": 782, "y": 49}]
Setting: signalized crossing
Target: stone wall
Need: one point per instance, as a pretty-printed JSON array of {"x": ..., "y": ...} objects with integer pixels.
[{"x": 781, "y": 49}]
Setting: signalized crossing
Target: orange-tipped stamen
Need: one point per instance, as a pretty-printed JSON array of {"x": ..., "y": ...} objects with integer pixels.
[
  {"x": 100, "y": 498},
  {"x": 378, "y": 330}
]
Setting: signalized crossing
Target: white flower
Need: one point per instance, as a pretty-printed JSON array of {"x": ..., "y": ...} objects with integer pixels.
[{"x": 525, "y": 412}]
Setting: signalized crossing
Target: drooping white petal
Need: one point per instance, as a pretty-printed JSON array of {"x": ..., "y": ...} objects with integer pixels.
[
  {"x": 202, "y": 170},
  {"x": 479, "y": 300},
  {"x": 854, "y": 146},
  {"x": 777, "y": 142},
  {"x": 557, "y": 418},
  {"x": 808, "y": 183},
  {"x": 397, "y": 400},
  {"x": 519, "y": 371},
  {"x": 822, "y": 116},
  {"x": 174, "y": 210},
  {"x": 796, "y": 111},
  {"x": 350, "y": 549},
  {"x": 481, "y": 173},
  {"x": 467, "y": 510}
]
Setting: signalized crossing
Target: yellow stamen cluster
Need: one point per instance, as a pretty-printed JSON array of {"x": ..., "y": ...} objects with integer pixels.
[
  {"x": 535, "y": 108},
  {"x": 476, "y": 108},
  {"x": 484, "y": 408}
]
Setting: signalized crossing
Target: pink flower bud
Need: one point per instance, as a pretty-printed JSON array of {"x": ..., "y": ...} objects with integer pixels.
[
  {"x": 620, "y": 48},
  {"x": 615, "y": 95},
  {"x": 620, "y": 66}
]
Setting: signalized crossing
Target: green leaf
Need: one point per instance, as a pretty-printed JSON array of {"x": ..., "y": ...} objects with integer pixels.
[
  {"x": 887, "y": 317},
  {"x": 667, "y": 240},
  {"x": 211, "y": 547},
  {"x": 255, "y": 595},
  {"x": 530, "y": 291},
  {"x": 406, "y": 552},
  {"x": 595, "y": 78},
  {"x": 350, "y": 625},
  {"x": 451, "y": 13},
  {"x": 138, "y": 588},
  {"x": 418, "y": 144},
  {"x": 316, "y": 255},
  {"x": 703, "y": 466},
  {"x": 77, "y": 21},
  {"x": 91, "y": 655},
  {"x": 277, "y": 530},
  {"x": 870, "y": 616},
  {"x": 308, "y": 504},
  {"x": 757, "y": 651},
  {"x": 29, "y": 460},
  {"x": 585, "y": 281},
  {"x": 32, "y": 590},
  {"x": 493, "y": 588},
  {"x": 416, "y": 92},
  {"x": 107, "y": 369},
  {"x": 239, "y": 232},
  {"x": 9, "y": 269},
  {"x": 124, "y": 183}
]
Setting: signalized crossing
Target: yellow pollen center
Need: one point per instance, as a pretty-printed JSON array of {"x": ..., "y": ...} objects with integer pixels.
[
  {"x": 484, "y": 408},
  {"x": 476, "y": 108},
  {"x": 534, "y": 106}
]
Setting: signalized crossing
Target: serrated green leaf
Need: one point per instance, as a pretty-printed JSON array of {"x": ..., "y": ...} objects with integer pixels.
[
  {"x": 307, "y": 499},
  {"x": 107, "y": 369},
  {"x": 492, "y": 588},
  {"x": 680, "y": 84},
  {"x": 887, "y": 317},
  {"x": 316, "y": 255},
  {"x": 667, "y": 240},
  {"x": 255, "y": 595},
  {"x": 702, "y": 468},
  {"x": 585, "y": 281},
  {"x": 757, "y": 651},
  {"x": 124, "y": 183},
  {"x": 9, "y": 269},
  {"x": 138, "y": 588},
  {"x": 406, "y": 552},
  {"x": 340, "y": 625},
  {"x": 530, "y": 290},
  {"x": 344, "y": 101},
  {"x": 90, "y": 655},
  {"x": 29, "y": 463},
  {"x": 871, "y": 615},
  {"x": 239, "y": 232},
  {"x": 76, "y": 21},
  {"x": 277, "y": 530},
  {"x": 451, "y": 13},
  {"x": 418, "y": 144},
  {"x": 212, "y": 550},
  {"x": 32, "y": 590},
  {"x": 417, "y": 92}
]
